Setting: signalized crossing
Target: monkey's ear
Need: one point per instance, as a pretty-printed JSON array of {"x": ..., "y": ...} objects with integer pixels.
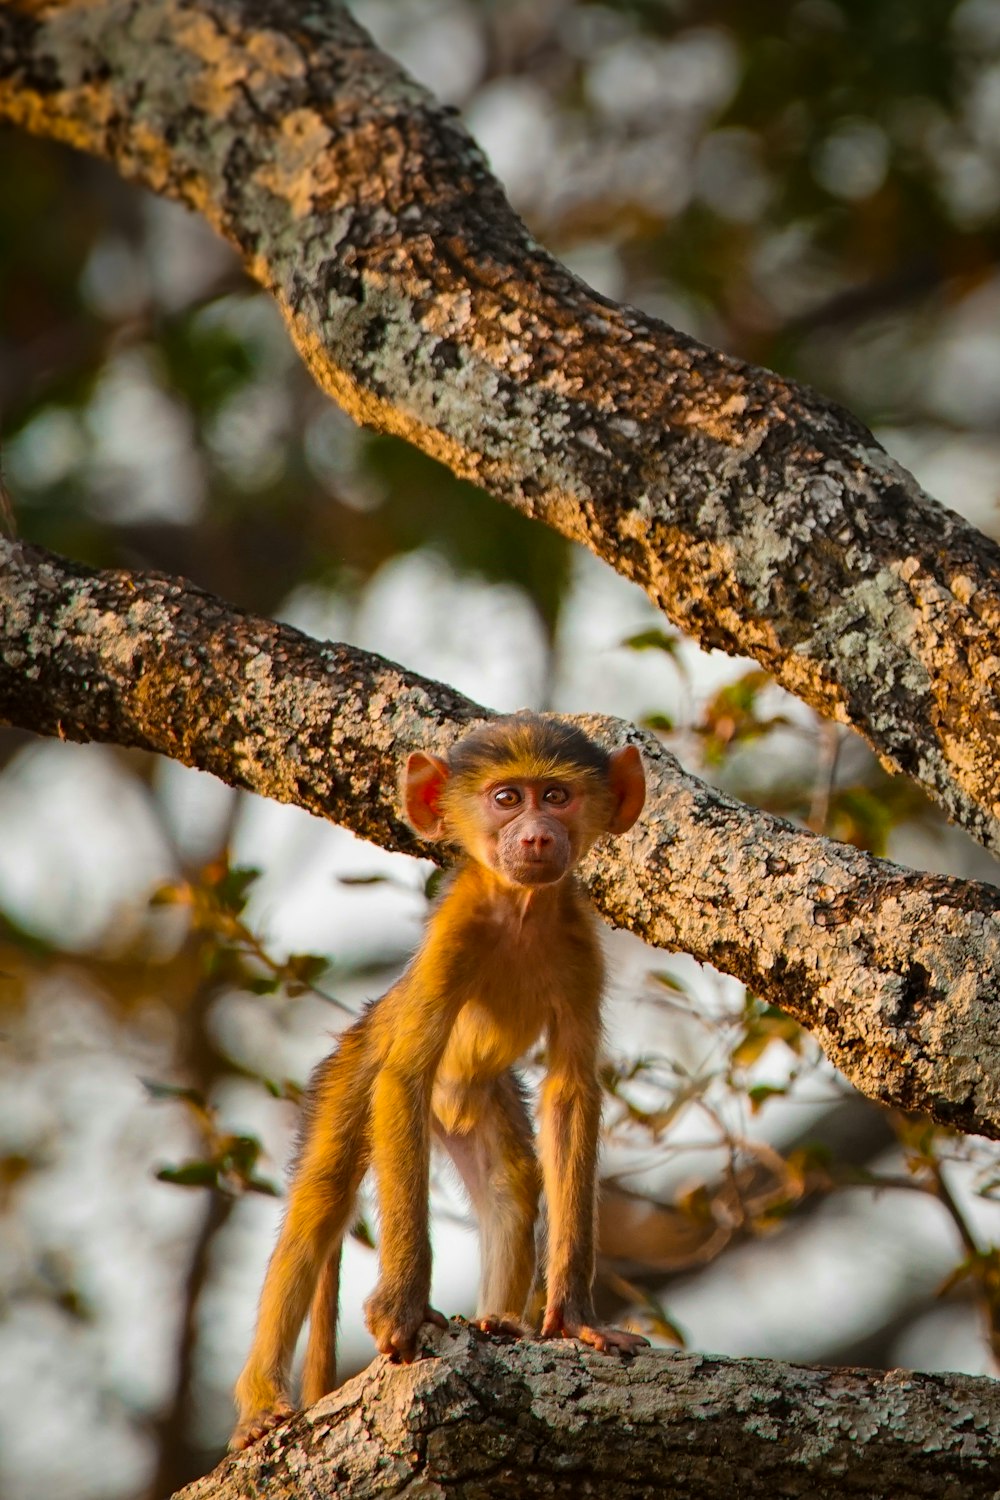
[
  {"x": 423, "y": 783},
  {"x": 627, "y": 781}
]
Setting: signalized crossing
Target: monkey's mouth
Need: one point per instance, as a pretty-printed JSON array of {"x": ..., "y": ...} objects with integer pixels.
[{"x": 537, "y": 872}]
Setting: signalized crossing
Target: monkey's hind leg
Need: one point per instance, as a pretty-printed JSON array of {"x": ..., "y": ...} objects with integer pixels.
[
  {"x": 303, "y": 1269},
  {"x": 495, "y": 1157}
]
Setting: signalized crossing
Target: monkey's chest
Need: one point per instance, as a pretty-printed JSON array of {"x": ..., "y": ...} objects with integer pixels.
[
  {"x": 510, "y": 998},
  {"x": 493, "y": 1030}
]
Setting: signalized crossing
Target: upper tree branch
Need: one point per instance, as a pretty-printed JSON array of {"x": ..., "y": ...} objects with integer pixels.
[
  {"x": 762, "y": 518},
  {"x": 897, "y": 974}
]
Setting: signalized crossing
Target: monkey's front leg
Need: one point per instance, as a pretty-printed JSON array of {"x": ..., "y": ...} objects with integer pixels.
[
  {"x": 571, "y": 1116},
  {"x": 400, "y": 1303}
]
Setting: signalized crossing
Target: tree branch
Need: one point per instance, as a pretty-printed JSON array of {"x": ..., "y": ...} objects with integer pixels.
[
  {"x": 550, "y": 1419},
  {"x": 896, "y": 973},
  {"x": 762, "y": 518}
]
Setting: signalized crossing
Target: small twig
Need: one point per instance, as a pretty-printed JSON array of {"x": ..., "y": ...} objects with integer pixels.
[
  {"x": 943, "y": 1193},
  {"x": 980, "y": 1265},
  {"x": 177, "y": 1461},
  {"x": 830, "y": 740}
]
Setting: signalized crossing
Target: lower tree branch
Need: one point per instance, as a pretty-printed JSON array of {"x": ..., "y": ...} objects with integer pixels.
[
  {"x": 553, "y": 1419},
  {"x": 896, "y": 973}
]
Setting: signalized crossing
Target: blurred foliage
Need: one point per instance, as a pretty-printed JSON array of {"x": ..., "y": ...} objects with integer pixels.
[
  {"x": 837, "y": 164},
  {"x": 229, "y": 1161},
  {"x": 113, "y": 364},
  {"x": 232, "y": 953}
]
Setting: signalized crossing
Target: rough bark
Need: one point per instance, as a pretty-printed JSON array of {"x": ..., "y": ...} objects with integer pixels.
[
  {"x": 479, "y": 1419},
  {"x": 760, "y": 517},
  {"x": 896, "y": 973}
]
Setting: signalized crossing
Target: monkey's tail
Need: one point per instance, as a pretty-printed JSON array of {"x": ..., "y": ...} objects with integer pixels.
[{"x": 319, "y": 1372}]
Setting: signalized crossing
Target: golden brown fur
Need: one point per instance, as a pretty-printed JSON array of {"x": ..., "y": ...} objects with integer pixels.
[{"x": 511, "y": 956}]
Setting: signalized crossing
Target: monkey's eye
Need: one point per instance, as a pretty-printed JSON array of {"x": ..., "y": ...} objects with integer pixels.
[
  {"x": 507, "y": 796},
  {"x": 557, "y": 796}
]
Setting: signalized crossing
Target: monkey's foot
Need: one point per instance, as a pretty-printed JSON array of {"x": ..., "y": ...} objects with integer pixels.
[
  {"x": 559, "y": 1323},
  {"x": 502, "y": 1323},
  {"x": 254, "y": 1427},
  {"x": 396, "y": 1330}
]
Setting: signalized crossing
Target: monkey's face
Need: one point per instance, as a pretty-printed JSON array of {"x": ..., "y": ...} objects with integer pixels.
[
  {"x": 524, "y": 796},
  {"x": 531, "y": 832}
]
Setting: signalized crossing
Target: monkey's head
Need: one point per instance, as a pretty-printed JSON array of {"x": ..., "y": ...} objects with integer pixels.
[{"x": 524, "y": 796}]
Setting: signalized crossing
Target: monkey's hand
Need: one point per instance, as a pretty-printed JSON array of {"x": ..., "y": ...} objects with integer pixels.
[
  {"x": 562, "y": 1322},
  {"x": 250, "y": 1429},
  {"x": 395, "y": 1321}
]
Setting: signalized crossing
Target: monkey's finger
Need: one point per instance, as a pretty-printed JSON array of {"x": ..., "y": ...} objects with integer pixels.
[
  {"x": 399, "y": 1347},
  {"x": 512, "y": 1327},
  {"x": 401, "y": 1344},
  {"x": 250, "y": 1432},
  {"x": 612, "y": 1340}
]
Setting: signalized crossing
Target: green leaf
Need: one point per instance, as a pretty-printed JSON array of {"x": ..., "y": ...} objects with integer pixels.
[
  {"x": 652, "y": 640},
  {"x": 300, "y": 970},
  {"x": 239, "y": 1154},
  {"x": 361, "y": 1231},
  {"x": 265, "y": 984},
  {"x": 761, "y": 1093},
  {"x": 765, "y": 1025},
  {"x": 191, "y": 1174},
  {"x": 262, "y": 1185},
  {"x": 811, "y": 1156},
  {"x": 233, "y": 890},
  {"x": 669, "y": 981}
]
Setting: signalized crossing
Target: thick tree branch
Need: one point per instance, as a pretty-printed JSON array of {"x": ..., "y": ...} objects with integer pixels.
[
  {"x": 536, "y": 1419},
  {"x": 762, "y": 518},
  {"x": 896, "y": 973}
]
